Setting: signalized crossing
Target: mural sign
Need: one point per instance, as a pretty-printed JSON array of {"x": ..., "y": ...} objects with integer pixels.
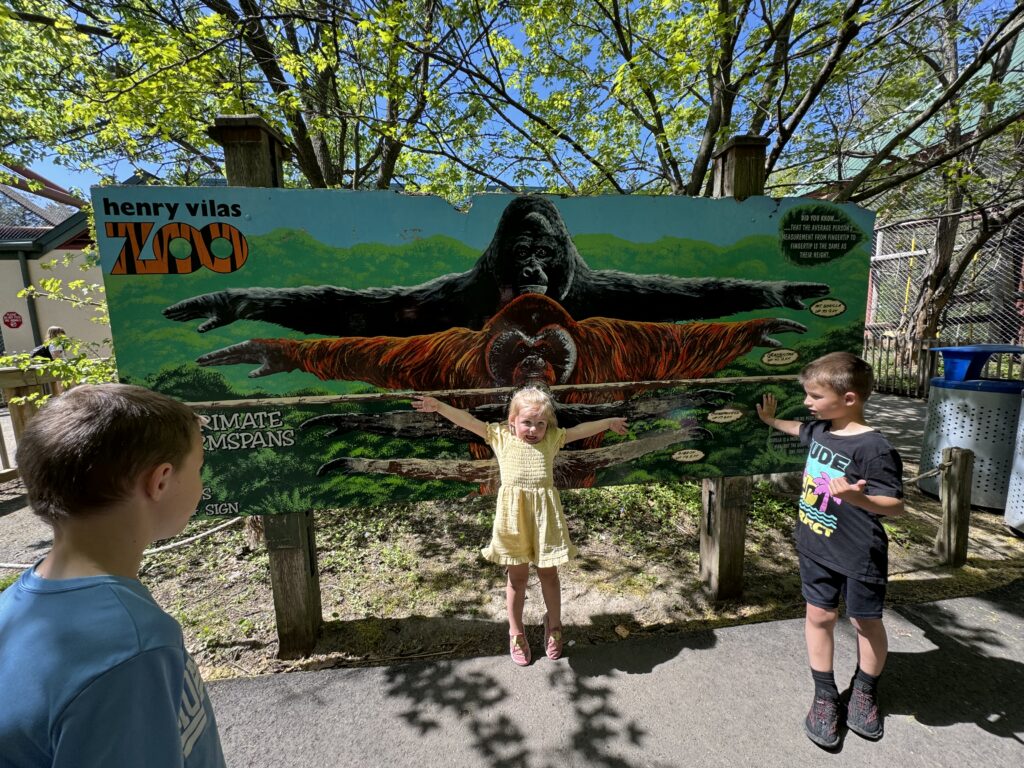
[{"x": 301, "y": 321}]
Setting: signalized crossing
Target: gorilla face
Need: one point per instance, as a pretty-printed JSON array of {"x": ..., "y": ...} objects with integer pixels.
[{"x": 533, "y": 260}]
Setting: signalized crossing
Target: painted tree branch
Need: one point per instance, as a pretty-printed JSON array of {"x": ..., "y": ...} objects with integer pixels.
[
  {"x": 485, "y": 472},
  {"x": 412, "y": 424}
]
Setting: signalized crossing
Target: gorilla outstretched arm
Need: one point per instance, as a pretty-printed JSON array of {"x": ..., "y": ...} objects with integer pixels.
[
  {"x": 531, "y": 252},
  {"x": 464, "y": 299},
  {"x": 663, "y": 298}
]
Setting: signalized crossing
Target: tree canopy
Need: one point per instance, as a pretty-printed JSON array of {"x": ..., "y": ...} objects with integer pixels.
[
  {"x": 578, "y": 96},
  {"x": 915, "y": 107}
]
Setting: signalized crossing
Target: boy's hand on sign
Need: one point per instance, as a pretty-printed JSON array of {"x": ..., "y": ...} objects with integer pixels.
[{"x": 766, "y": 408}]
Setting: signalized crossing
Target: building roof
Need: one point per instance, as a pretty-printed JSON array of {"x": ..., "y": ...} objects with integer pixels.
[{"x": 70, "y": 234}]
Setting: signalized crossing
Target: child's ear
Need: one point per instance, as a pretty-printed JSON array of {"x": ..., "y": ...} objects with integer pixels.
[
  {"x": 850, "y": 398},
  {"x": 156, "y": 480}
]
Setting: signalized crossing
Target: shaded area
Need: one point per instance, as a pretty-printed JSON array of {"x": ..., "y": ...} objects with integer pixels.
[
  {"x": 594, "y": 721},
  {"x": 974, "y": 673}
]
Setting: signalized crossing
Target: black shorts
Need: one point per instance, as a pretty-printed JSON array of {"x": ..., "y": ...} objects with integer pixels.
[{"x": 821, "y": 586}]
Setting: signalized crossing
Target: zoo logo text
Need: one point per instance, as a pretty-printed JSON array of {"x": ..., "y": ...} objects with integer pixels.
[
  {"x": 194, "y": 246},
  {"x": 177, "y": 249}
]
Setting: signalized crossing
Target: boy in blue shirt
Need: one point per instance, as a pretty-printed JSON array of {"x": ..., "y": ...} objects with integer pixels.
[
  {"x": 852, "y": 479},
  {"x": 92, "y": 671}
]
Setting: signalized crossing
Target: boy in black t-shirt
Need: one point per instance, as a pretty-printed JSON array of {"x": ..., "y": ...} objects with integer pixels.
[{"x": 852, "y": 478}]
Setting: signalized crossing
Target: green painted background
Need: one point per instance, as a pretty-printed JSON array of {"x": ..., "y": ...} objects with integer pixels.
[{"x": 160, "y": 353}]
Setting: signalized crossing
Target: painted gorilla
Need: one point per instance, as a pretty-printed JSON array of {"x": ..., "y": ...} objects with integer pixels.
[{"x": 531, "y": 252}]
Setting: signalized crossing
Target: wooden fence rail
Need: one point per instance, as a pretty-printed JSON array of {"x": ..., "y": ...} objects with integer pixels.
[{"x": 16, "y": 383}]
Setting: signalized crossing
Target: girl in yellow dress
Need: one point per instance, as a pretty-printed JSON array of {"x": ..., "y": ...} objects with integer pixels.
[{"x": 529, "y": 525}]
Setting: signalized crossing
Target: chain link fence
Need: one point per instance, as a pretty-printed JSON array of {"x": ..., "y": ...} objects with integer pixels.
[{"x": 987, "y": 308}]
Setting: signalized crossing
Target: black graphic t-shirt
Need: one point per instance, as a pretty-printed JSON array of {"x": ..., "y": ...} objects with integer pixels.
[{"x": 834, "y": 532}]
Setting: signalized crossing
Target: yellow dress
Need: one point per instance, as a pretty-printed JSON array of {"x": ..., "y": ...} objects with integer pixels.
[{"x": 529, "y": 525}]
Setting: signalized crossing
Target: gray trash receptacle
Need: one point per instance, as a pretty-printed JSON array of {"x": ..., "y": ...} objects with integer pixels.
[
  {"x": 982, "y": 415},
  {"x": 1014, "y": 516}
]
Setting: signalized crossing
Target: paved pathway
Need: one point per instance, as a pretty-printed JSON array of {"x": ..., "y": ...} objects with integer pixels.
[{"x": 733, "y": 697}]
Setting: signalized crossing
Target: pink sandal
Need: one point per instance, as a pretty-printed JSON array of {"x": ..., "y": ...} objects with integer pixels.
[
  {"x": 519, "y": 650},
  {"x": 552, "y": 640}
]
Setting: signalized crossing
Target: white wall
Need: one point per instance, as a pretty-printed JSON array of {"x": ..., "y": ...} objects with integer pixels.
[{"x": 76, "y": 321}]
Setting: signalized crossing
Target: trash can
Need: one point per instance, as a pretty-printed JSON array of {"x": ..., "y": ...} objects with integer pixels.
[
  {"x": 967, "y": 411},
  {"x": 1014, "y": 516}
]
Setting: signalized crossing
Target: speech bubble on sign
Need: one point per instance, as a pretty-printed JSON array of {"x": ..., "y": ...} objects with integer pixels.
[
  {"x": 688, "y": 455},
  {"x": 827, "y": 308},
  {"x": 817, "y": 234},
  {"x": 779, "y": 356},
  {"x": 725, "y": 415}
]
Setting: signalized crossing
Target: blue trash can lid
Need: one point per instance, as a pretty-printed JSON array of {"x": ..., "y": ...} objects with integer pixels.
[
  {"x": 989, "y": 349},
  {"x": 965, "y": 363},
  {"x": 981, "y": 385}
]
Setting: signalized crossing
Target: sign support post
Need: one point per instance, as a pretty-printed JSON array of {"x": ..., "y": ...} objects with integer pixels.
[
  {"x": 738, "y": 172},
  {"x": 253, "y": 156}
]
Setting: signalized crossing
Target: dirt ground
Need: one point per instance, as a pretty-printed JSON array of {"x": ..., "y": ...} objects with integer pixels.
[{"x": 403, "y": 583}]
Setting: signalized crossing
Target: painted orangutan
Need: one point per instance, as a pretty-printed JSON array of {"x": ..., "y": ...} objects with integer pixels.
[{"x": 531, "y": 339}]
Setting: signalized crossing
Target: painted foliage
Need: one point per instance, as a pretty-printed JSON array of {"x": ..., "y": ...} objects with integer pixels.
[{"x": 330, "y": 307}]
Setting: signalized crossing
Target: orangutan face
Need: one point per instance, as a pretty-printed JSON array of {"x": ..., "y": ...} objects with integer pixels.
[{"x": 530, "y": 341}]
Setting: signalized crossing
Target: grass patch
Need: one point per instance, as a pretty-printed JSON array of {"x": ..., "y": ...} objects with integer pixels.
[{"x": 407, "y": 581}]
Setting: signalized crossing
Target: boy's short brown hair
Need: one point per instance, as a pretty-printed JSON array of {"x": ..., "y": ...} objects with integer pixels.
[
  {"x": 85, "y": 449},
  {"x": 841, "y": 372}
]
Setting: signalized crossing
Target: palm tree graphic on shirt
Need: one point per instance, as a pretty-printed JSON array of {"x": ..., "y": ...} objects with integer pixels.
[{"x": 821, "y": 490}]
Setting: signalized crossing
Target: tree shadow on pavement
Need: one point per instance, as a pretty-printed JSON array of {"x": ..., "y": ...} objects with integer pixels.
[
  {"x": 967, "y": 677},
  {"x": 12, "y": 498},
  {"x": 598, "y": 725}
]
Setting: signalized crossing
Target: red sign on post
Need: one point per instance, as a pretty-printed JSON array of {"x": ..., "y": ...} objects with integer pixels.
[{"x": 12, "y": 320}]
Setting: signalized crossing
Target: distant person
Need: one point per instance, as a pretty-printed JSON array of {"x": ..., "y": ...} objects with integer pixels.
[
  {"x": 529, "y": 525},
  {"x": 52, "y": 347},
  {"x": 92, "y": 671},
  {"x": 853, "y": 478}
]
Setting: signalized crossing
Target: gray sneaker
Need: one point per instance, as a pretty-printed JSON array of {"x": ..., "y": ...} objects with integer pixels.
[
  {"x": 822, "y": 722},
  {"x": 862, "y": 715}
]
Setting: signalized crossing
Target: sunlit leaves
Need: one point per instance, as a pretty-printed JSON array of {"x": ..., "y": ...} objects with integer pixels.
[{"x": 570, "y": 95}]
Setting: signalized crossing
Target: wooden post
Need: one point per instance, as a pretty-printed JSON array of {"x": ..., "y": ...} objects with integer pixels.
[
  {"x": 955, "y": 492},
  {"x": 295, "y": 581},
  {"x": 21, "y": 412},
  {"x": 15, "y": 382},
  {"x": 738, "y": 172},
  {"x": 253, "y": 151},
  {"x": 253, "y": 156},
  {"x": 723, "y": 531},
  {"x": 22, "y": 383},
  {"x": 738, "y": 169}
]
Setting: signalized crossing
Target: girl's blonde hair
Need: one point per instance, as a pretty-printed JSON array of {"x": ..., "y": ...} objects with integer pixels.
[{"x": 532, "y": 396}]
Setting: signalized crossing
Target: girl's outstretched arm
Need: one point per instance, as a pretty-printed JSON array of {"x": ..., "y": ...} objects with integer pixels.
[
  {"x": 617, "y": 425},
  {"x": 464, "y": 419}
]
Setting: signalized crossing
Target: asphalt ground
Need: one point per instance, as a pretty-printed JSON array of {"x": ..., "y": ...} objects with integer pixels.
[{"x": 952, "y": 691}]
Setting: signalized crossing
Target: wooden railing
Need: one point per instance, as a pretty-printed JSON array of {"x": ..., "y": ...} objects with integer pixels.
[
  {"x": 901, "y": 367},
  {"x": 17, "y": 383}
]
